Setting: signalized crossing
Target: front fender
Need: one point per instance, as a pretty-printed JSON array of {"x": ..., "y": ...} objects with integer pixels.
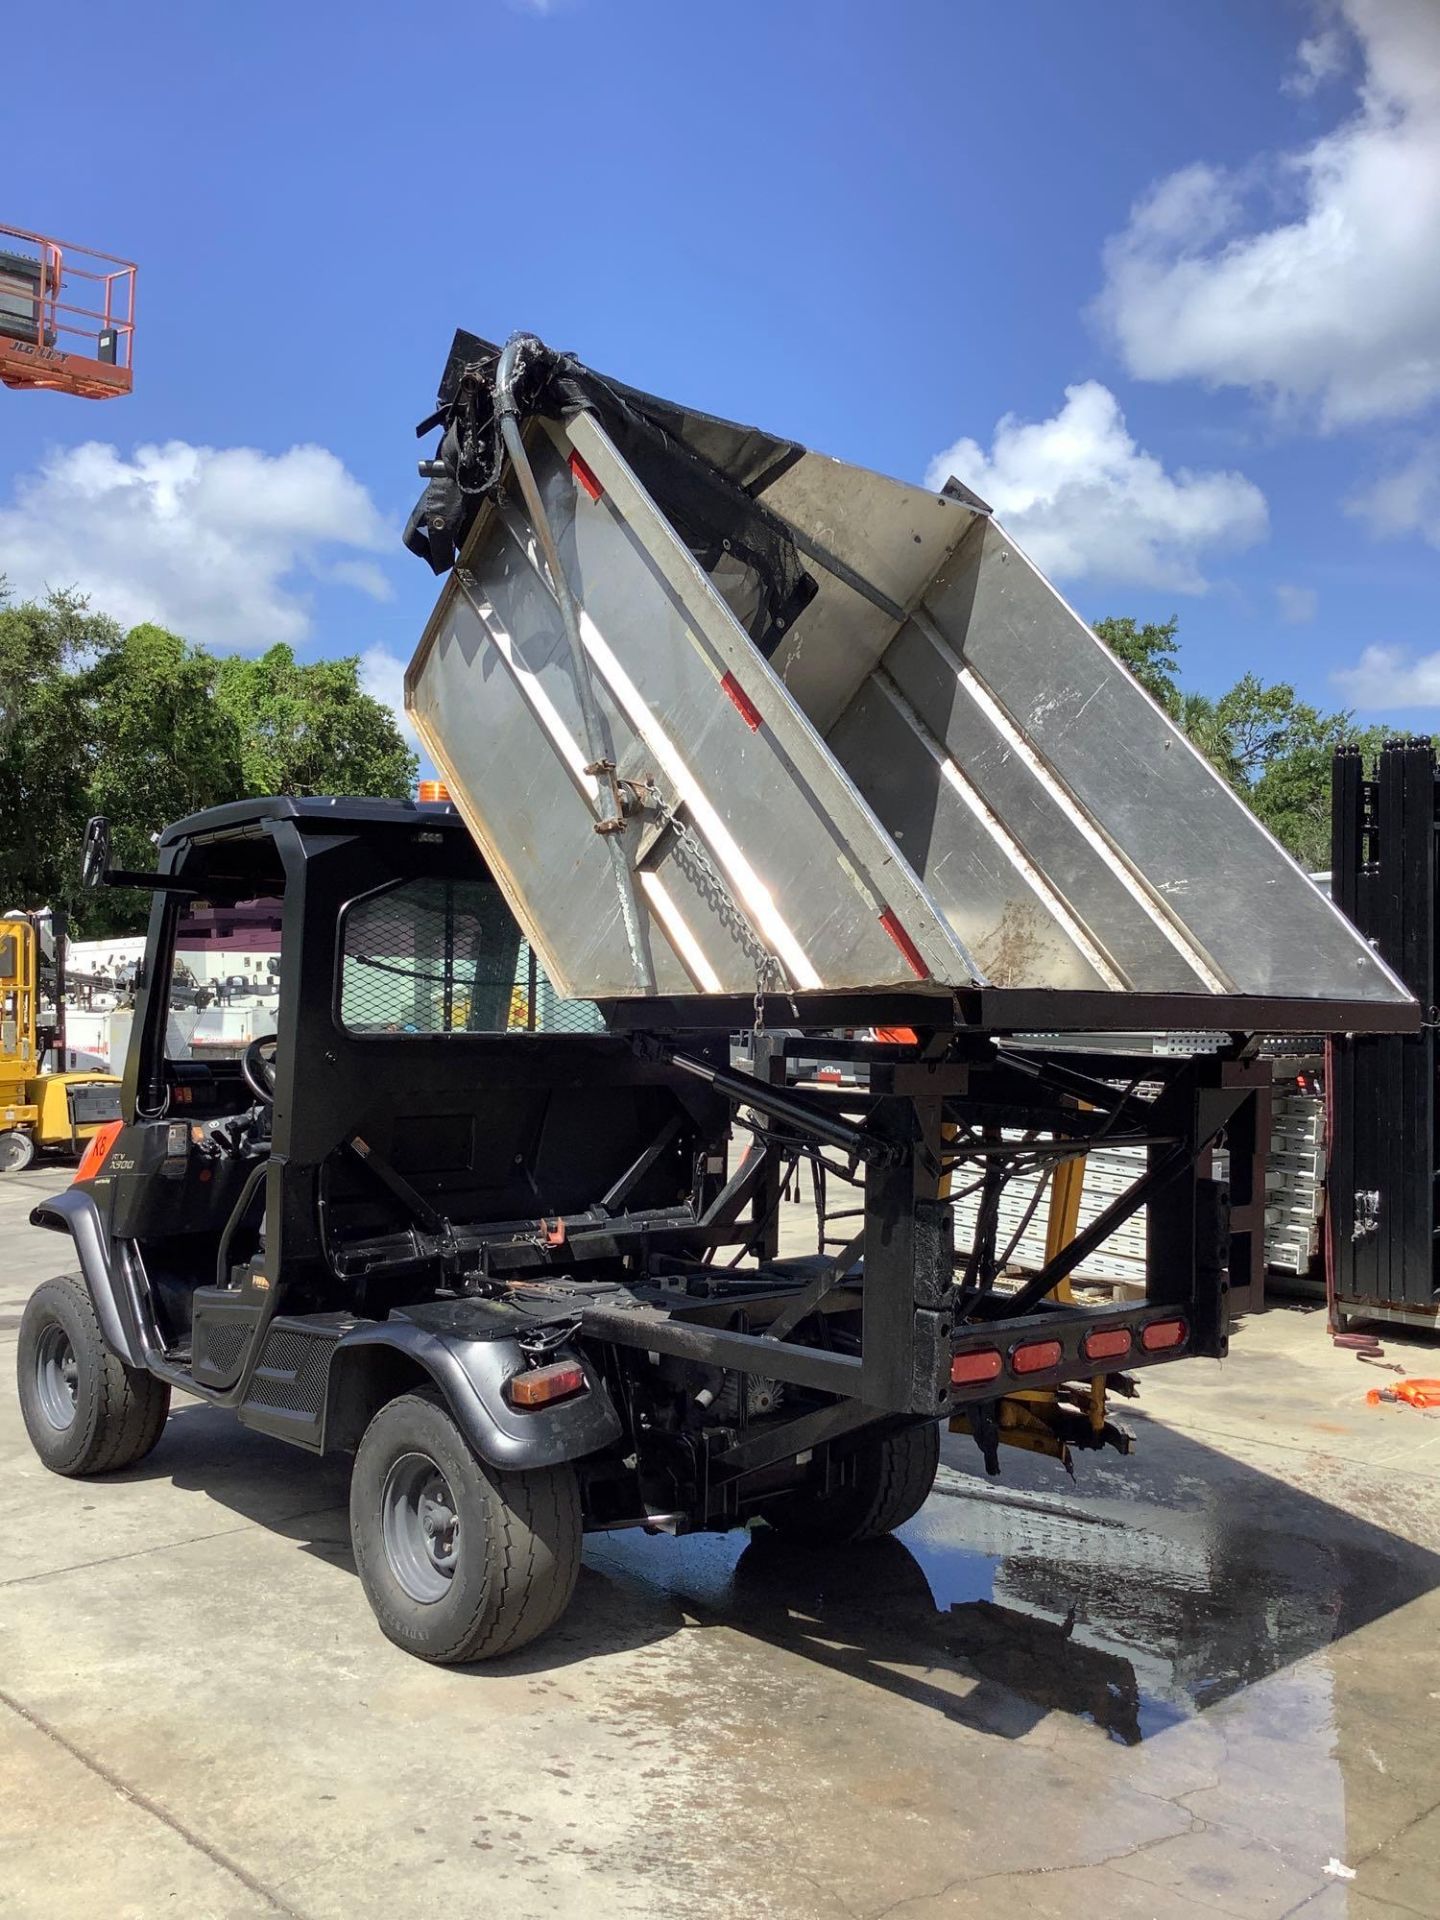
[
  {"x": 75, "y": 1212},
  {"x": 471, "y": 1373}
]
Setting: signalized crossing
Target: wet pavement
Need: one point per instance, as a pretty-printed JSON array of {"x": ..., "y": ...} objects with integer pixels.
[{"x": 1201, "y": 1681}]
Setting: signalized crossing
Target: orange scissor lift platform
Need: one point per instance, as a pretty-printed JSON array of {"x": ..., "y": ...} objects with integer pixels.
[{"x": 67, "y": 317}]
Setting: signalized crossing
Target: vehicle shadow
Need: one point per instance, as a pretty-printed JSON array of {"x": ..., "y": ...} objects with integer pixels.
[
  {"x": 204, "y": 1451},
  {"x": 1144, "y": 1596}
]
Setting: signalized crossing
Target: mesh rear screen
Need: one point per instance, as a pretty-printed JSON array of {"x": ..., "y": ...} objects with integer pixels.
[{"x": 445, "y": 956}]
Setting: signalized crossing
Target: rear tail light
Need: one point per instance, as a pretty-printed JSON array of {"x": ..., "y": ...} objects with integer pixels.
[
  {"x": 1161, "y": 1334},
  {"x": 542, "y": 1385},
  {"x": 973, "y": 1369},
  {"x": 1036, "y": 1356},
  {"x": 1109, "y": 1343}
]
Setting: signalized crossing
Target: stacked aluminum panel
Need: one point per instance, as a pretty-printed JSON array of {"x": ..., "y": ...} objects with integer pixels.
[
  {"x": 1294, "y": 1181},
  {"x": 1294, "y": 1201}
]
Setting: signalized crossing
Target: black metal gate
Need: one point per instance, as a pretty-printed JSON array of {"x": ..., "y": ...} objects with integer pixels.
[{"x": 1381, "y": 1087}]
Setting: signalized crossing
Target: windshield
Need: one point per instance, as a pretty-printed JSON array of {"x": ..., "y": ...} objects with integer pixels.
[{"x": 224, "y": 978}]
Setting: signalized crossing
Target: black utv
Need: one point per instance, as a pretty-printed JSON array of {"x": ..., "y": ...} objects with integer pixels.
[{"x": 519, "y": 1272}]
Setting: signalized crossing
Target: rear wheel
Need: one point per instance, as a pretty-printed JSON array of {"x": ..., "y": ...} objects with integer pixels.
[
  {"x": 17, "y": 1150},
  {"x": 886, "y": 1481},
  {"x": 459, "y": 1561},
  {"x": 85, "y": 1410}
]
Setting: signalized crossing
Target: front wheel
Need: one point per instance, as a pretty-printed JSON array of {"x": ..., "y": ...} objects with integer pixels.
[
  {"x": 459, "y": 1561},
  {"x": 17, "y": 1150},
  {"x": 84, "y": 1409},
  {"x": 883, "y": 1482}
]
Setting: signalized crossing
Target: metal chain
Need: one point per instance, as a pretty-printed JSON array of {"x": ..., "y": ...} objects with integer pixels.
[{"x": 769, "y": 971}]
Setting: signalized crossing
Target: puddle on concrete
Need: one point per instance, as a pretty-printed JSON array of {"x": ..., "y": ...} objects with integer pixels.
[{"x": 1000, "y": 1606}]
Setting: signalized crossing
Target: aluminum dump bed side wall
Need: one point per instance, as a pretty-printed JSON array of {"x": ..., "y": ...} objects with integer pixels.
[
  {"x": 772, "y": 851},
  {"x": 940, "y": 779}
]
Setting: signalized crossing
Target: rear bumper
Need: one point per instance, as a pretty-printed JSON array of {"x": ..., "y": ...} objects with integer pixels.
[{"x": 1006, "y": 1356}]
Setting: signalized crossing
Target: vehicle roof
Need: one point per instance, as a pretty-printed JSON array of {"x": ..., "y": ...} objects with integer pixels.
[{"x": 313, "y": 810}]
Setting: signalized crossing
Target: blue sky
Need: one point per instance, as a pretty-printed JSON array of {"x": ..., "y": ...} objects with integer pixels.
[{"x": 1185, "y": 254}]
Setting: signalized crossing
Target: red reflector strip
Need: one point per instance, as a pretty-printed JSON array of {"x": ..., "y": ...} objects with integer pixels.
[
  {"x": 906, "y": 945},
  {"x": 543, "y": 1384},
  {"x": 1036, "y": 1356},
  {"x": 741, "y": 701},
  {"x": 1161, "y": 1334},
  {"x": 1108, "y": 1344},
  {"x": 969, "y": 1369},
  {"x": 585, "y": 477}
]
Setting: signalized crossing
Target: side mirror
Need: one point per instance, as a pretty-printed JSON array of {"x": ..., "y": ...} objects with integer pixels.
[
  {"x": 95, "y": 858},
  {"x": 96, "y": 870}
]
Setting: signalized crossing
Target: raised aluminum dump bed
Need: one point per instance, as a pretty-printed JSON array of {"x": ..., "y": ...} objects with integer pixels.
[{"x": 783, "y": 722}]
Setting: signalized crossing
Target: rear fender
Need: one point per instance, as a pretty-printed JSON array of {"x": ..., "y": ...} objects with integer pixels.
[
  {"x": 75, "y": 1212},
  {"x": 374, "y": 1362}
]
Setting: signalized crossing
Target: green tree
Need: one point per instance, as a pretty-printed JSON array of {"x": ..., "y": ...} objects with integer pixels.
[
  {"x": 162, "y": 745},
  {"x": 1151, "y": 652},
  {"x": 1275, "y": 749},
  {"x": 312, "y": 728},
  {"x": 45, "y": 754},
  {"x": 1200, "y": 717},
  {"x": 146, "y": 727}
]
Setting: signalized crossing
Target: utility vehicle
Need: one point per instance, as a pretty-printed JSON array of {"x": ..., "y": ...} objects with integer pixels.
[
  {"x": 494, "y": 1263},
  {"x": 735, "y": 734}
]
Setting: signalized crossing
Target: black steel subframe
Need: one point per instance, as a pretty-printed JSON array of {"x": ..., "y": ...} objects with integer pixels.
[{"x": 913, "y": 1319}]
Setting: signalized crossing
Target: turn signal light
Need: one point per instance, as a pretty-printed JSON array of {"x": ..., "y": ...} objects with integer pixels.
[
  {"x": 1036, "y": 1356},
  {"x": 1107, "y": 1344},
  {"x": 542, "y": 1385},
  {"x": 1161, "y": 1334},
  {"x": 432, "y": 792},
  {"x": 972, "y": 1369}
]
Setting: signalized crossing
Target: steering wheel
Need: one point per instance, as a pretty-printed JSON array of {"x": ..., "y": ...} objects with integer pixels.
[{"x": 257, "y": 1064}]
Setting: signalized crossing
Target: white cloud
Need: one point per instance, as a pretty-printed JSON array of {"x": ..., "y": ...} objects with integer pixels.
[
  {"x": 1087, "y": 504},
  {"x": 1404, "y": 500},
  {"x": 1297, "y": 605},
  {"x": 1389, "y": 677},
  {"x": 218, "y": 543},
  {"x": 1329, "y": 293},
  {"x": 1319, "y": 58},
  {"x": 382, "y": 674}
]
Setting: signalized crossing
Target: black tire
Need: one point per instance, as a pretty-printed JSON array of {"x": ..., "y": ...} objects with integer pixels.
[
  {"x": 499, "y": 1575},
  {"x": 116, "y": 1414},
  {"x": 888, "y": 1481},
  {"x": 17, "y": 1150}
]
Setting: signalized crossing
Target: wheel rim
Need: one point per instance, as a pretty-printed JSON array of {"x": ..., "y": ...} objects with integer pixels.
[
  {"x": 420, "y": 1527},
  {"x": 56, "y": 1376},
  {"x": 15, "y": 1152}
]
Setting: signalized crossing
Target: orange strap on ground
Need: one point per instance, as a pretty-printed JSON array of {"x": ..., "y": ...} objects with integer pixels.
[{"x": 1414, "y": 1393}]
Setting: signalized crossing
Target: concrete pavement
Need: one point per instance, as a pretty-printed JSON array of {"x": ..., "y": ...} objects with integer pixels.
[{"x": 1204, "y": 1681}]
